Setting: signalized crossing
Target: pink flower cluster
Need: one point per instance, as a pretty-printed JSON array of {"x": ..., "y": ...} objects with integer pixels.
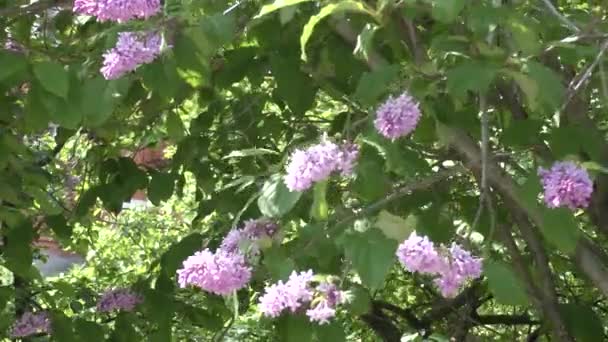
[
  {"x": 317, "y": 162},
  {"x": 252, "y": 232},
  {"x": 117, "y": 10},
  {"x": 132, "y": 50},
  {"x": 220, "y": 273},
  {"x": 31, "y": 323},
  {"x": 566, "y": 185},
  {"x": 452, "y": 267},
  {"x": 297, "y": 293},
  {"x": 397, "y": 117},
  {"x": 118, "y": 300}
]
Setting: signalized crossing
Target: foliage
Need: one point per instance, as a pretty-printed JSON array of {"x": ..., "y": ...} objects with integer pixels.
[{"x": 504, "y": 87}]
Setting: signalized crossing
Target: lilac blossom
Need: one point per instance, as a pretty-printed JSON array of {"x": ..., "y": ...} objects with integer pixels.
[
  {"x": 117, "y": 10},
  {"x": 249, "y": 235},
  {"x": 132, "y": 50},
  {"x": 118, "y": 300},
  {"x": 451, "y": 267},
  {"x": 31, "y": 323},
  {"x": 397, "y": 117},
  {"x": 289, "y": 295},
  {"x": 325, "y": 307},
  {"x": 317, "y": 162},
  {"x": 220, "y": 273},
  {"x": 418, "y": 254},
  {"x": 566, "y": 185}
]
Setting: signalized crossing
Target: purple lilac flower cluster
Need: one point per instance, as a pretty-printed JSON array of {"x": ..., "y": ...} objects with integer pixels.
[
  {"x": 317, "y": 162},
  {"x": 132, "y": 50},
  {"x": 220, "y": 273},
  {"x": 397, "y": 117},
  {"x": 566, "y": 185},
  {"x": 252, "y": 232},
  {"x": 118, "y": 300},
  {"x": 452, "y": 267},
  {"x": 297, "y": 293},
  {"x": 117, "y": 10},
  {"x": 31, "y": 323}
]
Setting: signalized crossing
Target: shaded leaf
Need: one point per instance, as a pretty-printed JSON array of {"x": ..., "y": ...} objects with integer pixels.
[
  {"x": 504, "y": 284},
  {"x": 372, "y": 255},
  {"x": 275, "y": 199},
  {"x": 53, "y": 78},
  {"x": 560, "y": 229},
  {"x": 343, "y": 6},
  {"x": 161, "y": 187},
  {"x": 373, "y": 84}
]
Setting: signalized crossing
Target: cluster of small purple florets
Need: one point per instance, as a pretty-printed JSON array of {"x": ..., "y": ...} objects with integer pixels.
[
  {"x": 317, "y": 162},
  {"x": 117, "y": 10},
  {"x": 132, "y": 48},
  {"x": 252, "y": 232},
  {"x": 397, "y": 117},
  {"x": 220, "y": 273},
  {"x": 31, "y": 323},
  {"x": 298, "y": 293},
  {"x": 566, "y": 185},
  {"x": 452, "y": 267},
  {"x": 226, "y": 270},
  {"x": 118, "y": 300}
]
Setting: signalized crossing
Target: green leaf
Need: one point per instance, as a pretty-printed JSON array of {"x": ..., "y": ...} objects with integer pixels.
[
  {"x": 371, "y": 182},
  {"x": 175, "y": 127},
  {"x": 529, "y": 87},
  {"x": 249, "y": 152},
  {"x": 394, "y": 227},
  {"x": 546, "y": 79},
  {"x": 295, "y": 328},
  {"x": 275, "y": 199},
  {"x": 172, "y": 259},
  {"x": 361, "y": 301},
  {"x": 276, "y": 5},
  {"x": 124, "y": 328},
  {"x": 372, "y": 255},
  {"x": 470, "y": 76},
  {"x": 63, "y": 329},
  {"x": 373, "y": 84},
  {"x": 293, "y": 86},
  {"x": 18, "y": 251},
  {"x": 278, "y": 263},
  {"x": 333, "y": 332},
  {"x": 89, "y": 331},
  {"x": 365, "y": 41},
  {"x": 161, "y": 187},
  {"x": 340, "y": 7},
  {"x": 524, "y": 34},
  {"x": 504, "y": 284},
  {"x": 560, "y": 229},
  {"x": 12, "y": 64},
  {"x": 446, "y": 11},
  {"x": 319, "y": 209},
  {"x": 522, "y": 133},
  {"x": 582, "y": 322},
  {"x": 60, "y": 226},
  {"x": 53, "y": 78},
  {"x": 98, "y": 100}
]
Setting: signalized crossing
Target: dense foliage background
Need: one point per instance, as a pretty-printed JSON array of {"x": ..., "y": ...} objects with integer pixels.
[{"x": 504, "y": 86}]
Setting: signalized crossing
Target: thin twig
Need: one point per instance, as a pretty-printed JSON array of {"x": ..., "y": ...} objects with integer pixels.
[
  {"x": 577, "y": 82},
  {"x": 561, "y": 17}
]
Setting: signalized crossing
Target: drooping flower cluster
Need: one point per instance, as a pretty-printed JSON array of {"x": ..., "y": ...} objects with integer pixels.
[
  {"x": 297, "y": 293},
  {"x": 317, "y": 162},
  {"x": 132, "y": 50},
  {"x": 117, "y": 10},
  {"x": 324, "y": 307},
  {"x": 252, "y": 232},
  {"x": 118, "y": 300},
  {"x": 31, "y": 323},
  {"x": 397, "y": 117},
  {"x": 220, "y": 273},
  {"x": 12, "y": 46},
  {"x": 566, "y": 185},
  {"x": 452, "y": 267}
]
